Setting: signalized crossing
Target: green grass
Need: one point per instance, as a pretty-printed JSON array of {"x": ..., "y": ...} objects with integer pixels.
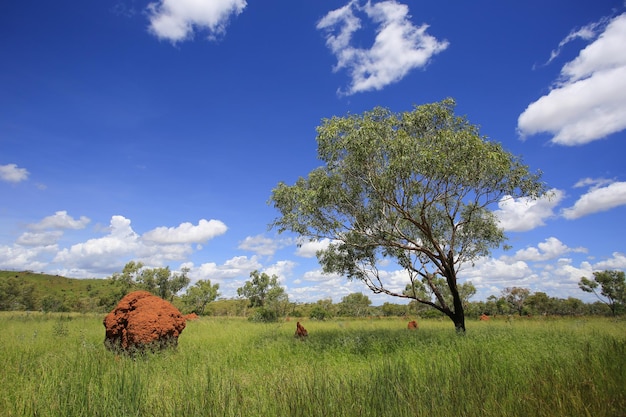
[{"x": 56, "y": 365}]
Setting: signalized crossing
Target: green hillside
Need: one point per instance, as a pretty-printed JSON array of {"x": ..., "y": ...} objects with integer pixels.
[{"x": 27, "y": 290}]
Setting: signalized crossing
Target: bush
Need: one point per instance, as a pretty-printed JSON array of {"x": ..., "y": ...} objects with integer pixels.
[
  {"x": 318, "y": 313},
  {"x": 264, "y": 315}
]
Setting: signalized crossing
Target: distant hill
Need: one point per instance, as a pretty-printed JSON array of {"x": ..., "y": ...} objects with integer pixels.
[{"x": 27, "y": 290}]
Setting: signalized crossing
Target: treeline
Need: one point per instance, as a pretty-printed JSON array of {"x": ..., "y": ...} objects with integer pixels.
[{"x": 261, "y": 298}]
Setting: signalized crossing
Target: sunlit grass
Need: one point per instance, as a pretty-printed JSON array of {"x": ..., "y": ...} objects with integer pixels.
[{"x": 56, "y": 365}]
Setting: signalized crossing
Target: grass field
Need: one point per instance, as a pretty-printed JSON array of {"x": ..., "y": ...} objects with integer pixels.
[{"x": 56, "y": 365}]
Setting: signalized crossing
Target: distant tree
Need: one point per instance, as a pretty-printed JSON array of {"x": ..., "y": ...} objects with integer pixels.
[
  {"x": 260, "y": 288},
  {"x": 415, "y": 188},
  {"x": 265, "y": 291},
  {"x": 354, "y": 305},
  {"x": 199, "y": 295},
  {"x": 428, "y": 291},
  {"x": 539, "y": 303},
  {"x": 16, "y": 294},
  {"x": 612, "y": 288},
  {"x": 516, "y": 297},
  {"x": 122, "y": 282},
  {"x": 323, "y": 309},
  {"x": 158, "y": 281},
  {"x": 390, "y": 309},
  {"x": 496, "y": 305},
  {"x": 574, "y": 306}
]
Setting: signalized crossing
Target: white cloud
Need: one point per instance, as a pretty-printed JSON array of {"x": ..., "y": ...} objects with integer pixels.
[
  {"x": 309, "y": 248},
  {"x": 106, "y": 253},
  {"x": 598, "y": 199},
  {"x": 593, "y": 182},
  {"x": 18, "y": 257},
  {"x": 398, "y": 48},
  {"x": 319, "y": 276},
  {"x": 239, "y": 266},
  {"x": 262, "y": 245},
  {"x": 282, "y": 269},
  {"x": 11, "y": 173},
  {"x": 60, "y": 221},
  {"x": 176, "y": 20},
  {"x": 39, "y": 238},
  {"x": 587, "y": 33},
  {"x": 588, "y": 103},
  {"x": 618, "y": 261},
  {"x": 551, "y": 248},
  {"x": 186, "y": 232},
  {"x": 500, "y": 272},
  {"x": 523, "y": 214}
]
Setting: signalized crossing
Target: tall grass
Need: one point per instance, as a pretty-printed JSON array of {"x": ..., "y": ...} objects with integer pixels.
[{"x": 56, "y": 365}]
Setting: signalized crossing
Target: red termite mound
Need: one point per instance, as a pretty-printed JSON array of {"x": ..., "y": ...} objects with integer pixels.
[
  {"x": 301, "y": 332},
  {"x": 484, "y": 317},
  {"x": 142, "y": 321},
  {"x": 413, "y": 325}
]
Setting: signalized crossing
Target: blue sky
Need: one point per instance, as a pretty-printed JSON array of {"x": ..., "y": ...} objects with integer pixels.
[{"x": 155, "y": 131}]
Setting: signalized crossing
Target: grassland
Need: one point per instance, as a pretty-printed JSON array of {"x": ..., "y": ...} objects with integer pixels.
[{"x": 56, "y": 365}]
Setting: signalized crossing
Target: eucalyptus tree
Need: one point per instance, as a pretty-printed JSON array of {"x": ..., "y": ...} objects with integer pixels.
[
  {"x": 199, "y": 295},
  {"x": 612, "y": 288},
  {"x": 415, "y": 187}
]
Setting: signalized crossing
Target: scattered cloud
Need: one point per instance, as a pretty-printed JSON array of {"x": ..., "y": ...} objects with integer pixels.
[
  {"x": 262, "y": 245},
  {"x": 11, "y": 173},
  {"x": 551, "y": 248},
  {"x": 186, "y": 232},
  {"x": 104, "y": 253},
  {"x": 587, "y": 33},
  {"x": 617, "y": 261},
  {"x": 60, "y": 221},
  {"x": 282, "y": 269},
  {"x": 587, "y": 103},
  {"x": 398, "y": 48},
  {"x": 237, "y": 267},
  {"x": 593, "y": 182},
  {"x": 309, "y": 248},
  {"x": 177, "y": 20},
  {"x": 523, "y": 214},
  {"x": 39, "y": 238},
  {"x": 597, "y": 199}
]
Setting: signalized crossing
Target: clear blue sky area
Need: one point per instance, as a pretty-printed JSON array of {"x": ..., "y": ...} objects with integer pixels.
[{"x": 155, "y": 132}]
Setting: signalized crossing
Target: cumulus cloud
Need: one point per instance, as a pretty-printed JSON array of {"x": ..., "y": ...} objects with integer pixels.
[
  {"x": 587, "y": 103},
  {"x": 309, "y": 248},
  {"x": 39, "y": 238},
  {"x": 617, "y": 261},
  {"x": 103, "y": 253},
  {"x": 501, "y": 272},
  {"x": 523, "y": 214},
  {"x": 177, "y": 20},
  {"x": 262, "y": 245},
  {"x": 38, "y": 249},
  {"x": 11, "y": 173},
  {"x": 551, "y": 248},
  {"x": 186, "y": 232},
  {"x": 18, "y": 257},
  {"x": 282, "y": 269},
  {"x": 60, "y": 221},
  {"x": 597, "y": 199},
  {"x": 398, "y": 48},
  {"x": 239, "y": 266}
]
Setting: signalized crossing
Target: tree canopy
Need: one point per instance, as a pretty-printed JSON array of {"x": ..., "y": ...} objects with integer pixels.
[
  {"x": 199, "y": 295},
  {"x": 158, "y": 281},
  {"x": 612, "y": 288},
  {"x": 414, "y": 187}
]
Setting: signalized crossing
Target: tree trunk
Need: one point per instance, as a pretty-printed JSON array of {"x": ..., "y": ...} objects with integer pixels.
[{"x": 459, "y": 322}]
